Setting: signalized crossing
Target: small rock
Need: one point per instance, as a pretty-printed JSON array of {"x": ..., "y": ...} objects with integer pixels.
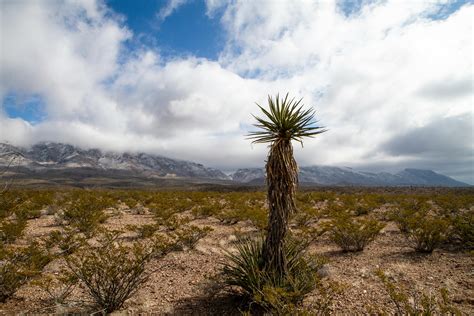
[{"x": 324, "y": 271}]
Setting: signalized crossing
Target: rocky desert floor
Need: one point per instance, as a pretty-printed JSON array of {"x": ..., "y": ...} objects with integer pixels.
[{"x": 186, "y": 282}]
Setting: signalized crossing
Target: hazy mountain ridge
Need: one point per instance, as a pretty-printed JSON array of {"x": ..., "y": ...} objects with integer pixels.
[
  {"x": 63, "y": 156},
  {"x": 71, "y": 161},
  {"x": 326, "y": 175}
]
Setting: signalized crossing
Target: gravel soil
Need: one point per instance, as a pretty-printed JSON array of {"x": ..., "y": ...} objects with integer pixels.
[{"x": 182, "y": 283}]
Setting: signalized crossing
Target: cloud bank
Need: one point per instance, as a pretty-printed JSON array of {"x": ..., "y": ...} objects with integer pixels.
[{"x": 391, "y": 80}]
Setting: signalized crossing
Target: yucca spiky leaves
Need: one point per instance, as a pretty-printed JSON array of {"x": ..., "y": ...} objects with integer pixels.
[{"x": 285, "y": 120}]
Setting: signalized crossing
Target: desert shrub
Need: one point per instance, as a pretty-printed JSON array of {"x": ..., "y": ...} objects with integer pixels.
[
  {"x": 408, "y": 302},
  {"x": 110, "y": 272},
  {"x": 351, "y": 203},
  {"x": 187, "y": 236},
  {"x": 11, "y": 229},
  {"x": 144, "y": 231},
  {"x": 10, "y": 201},
  {"x": 27, "y": 211},
  {"x": 207, "y": 209},
  {"x": 160, "y": 215},
  {"x": 353, "y": 234},
  {"x": 463, "y": 228},
  {"x": 256, "y": 214},
  {"x": 178, "y": 238},
  {"x": 427, "y": 233},
  {"x": 306, "y": 215},
  {"x": 161, "y": 245},
  {"x": 309, "y": 233},
  {"x": 367, "y": 203},
  {"x": 57, "y": 287},
  {"x": 303, "y": 198},
  {"x": 182, "y": 204},
  {"x": 406, "y": 210},
  {"x": 322, "y": 196},
  {"x": 42, "y": 199},
  {"x": 168, "y": 203},
  {"x": 451, "y": 203},
  {"x": 68, "y": 241},
  {"x": 86, "y": 211},
  {"x": 174, "y": 222},
  {"x": 36, "y": 201},
  {"x": 19, "y": 265},
  {"x": 267, "y": 289},
  {"x": 131, "y": 202}
]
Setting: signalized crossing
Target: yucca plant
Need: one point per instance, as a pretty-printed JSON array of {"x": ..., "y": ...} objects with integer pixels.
[
  {"x": 264, "y": 288},
  {"x": 286, "y": 120}
]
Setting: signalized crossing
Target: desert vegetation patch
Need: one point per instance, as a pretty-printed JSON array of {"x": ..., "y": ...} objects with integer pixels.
[{"x": 176, "y": 252}]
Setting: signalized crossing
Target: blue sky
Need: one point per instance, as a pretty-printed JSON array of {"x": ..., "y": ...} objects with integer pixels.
[
  {"x": 29, "y": 107},
  {"x": 180, "y": 78},
  {"x": 187, "y": 31}
]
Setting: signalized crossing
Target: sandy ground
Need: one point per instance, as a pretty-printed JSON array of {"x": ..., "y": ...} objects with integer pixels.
[{"x": 181, "y": 282}]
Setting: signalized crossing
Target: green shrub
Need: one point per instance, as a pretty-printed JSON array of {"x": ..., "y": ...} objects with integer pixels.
[
  {"x": 144, "y": 231},
  {"x": 256, "y": 214},
  {"x": 309, "y": 233},
  {"x": 366, "y": 204},
  {"x": 407, "y": 210},
  {"x": 451, "y": 203},
  {"x": 353, "y": 234},
  {"x": 68, "y": 241},
  {"x": 11, "y": 201},
  {"x": 110, "y": 272},
  {"x": 58, "y": 288},
  {"x": 427, "y": 233},
  {"x": 131, "y": 202},
  {"x": 86, "y": 211},
  {"x": 266, "y": 289},
  {"x": 174, "y": 222},
  {"x": 27, "y": 212},
  {"x": 19, "y": 265},
  {"x": 414, "y": 303},
  {"x": 206, "y": 210},
  {"x": 162, "y": 216},
  {"x": 10, "y": 230},
  {"x": 306, "y": 215},
  {"x": 187, "y": 236},
  {"x": 463, "y": 228},
  {"x": 161, "y": 245}
]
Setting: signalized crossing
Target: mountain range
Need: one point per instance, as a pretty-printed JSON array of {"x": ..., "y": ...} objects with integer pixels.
[
  {"x": 70, "y": 164},
  {"x": 344, "y": 176}
]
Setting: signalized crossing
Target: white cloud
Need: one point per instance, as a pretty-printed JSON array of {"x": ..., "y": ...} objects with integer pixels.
[
  {"x": 372, "y": 76},
  {"x": 169, "y": 8}
]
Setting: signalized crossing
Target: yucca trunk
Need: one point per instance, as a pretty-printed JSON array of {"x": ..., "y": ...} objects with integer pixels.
[{"x": 282, "y": 178}]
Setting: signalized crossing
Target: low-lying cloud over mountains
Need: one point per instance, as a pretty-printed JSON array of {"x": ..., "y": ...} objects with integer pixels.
[{"x": 46, "y": 159}]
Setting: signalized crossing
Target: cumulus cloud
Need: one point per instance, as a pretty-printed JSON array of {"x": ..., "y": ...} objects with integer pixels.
[{"x": 381, "y": 77}]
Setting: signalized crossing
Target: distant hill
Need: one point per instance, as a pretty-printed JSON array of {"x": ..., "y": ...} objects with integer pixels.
[
  {"x": 336, "y": 176},
  {"x": 57, "y": 158},
  {"x": 66, "y": 164}
]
